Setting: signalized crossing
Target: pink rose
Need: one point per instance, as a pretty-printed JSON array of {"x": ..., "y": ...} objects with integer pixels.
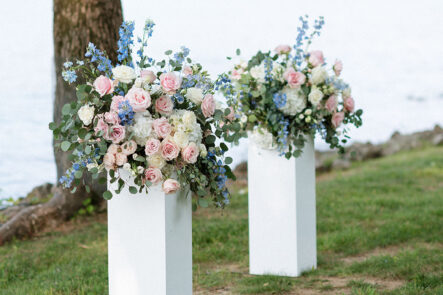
[
  {"x": 331, "y": 103},
  {"x": 117, "y": 133},
  {"x": 115, "y": 102},
  {"x": 101, "y": 126},
  {"x": 295, "y": 79},
  {"x": 282, "y": 49},
  {"x": 121, "y": 159},
  {"x": 190, "y": 153},
  {"x": 129, "y": 147},
  {"x": 153, "y": 175},
  {"x": 171, "y": 186},
  {"x": 164, "y": 105},
  {"x": 349, "y": 104},
  {"x": 231, "y": 115},
  {"x": 337, "y": 118},
  {"x": 316, "y": 58},
  {"x": 139, "y": 99},
  {"x": 169, "y": 150},
  {"x": 187, "y": 70},
  {"x": 170, "y": 82},
  {"x": 208, "y": 105},
  {"x": 338, "y": 67},
  {"x": 162, "y": 127},
  {"x": 152, "y": 146},
  {"x": 148, "y": 76},
  {"x": 112, "y": 118},
  {"x": 109, "y": 161},
  {"x": 113, "y": 149},
  {"x": 103, "y": 85},
  {"x": 236, "y": 74}
]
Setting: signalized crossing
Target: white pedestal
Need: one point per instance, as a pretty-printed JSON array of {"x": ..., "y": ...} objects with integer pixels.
[
  {"x": 149, "y": 242},
  {"x": 282, "y": 229}
]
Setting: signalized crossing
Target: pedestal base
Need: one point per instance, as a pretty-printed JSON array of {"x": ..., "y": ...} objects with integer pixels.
[
  {"x": 149, "y": 242},
  {"x": 282, "y": 224}
]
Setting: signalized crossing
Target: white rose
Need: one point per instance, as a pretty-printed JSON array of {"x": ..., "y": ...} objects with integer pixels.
[
  {"x": 277, "y": 71},
  {"x": 124, "y": 74},
  {"x": 258, "y": 73},
  {"x": 318, "y": 75},
  {"x": 138, "y": 83},
  {"x": 189, "y": 119},
  {"x": 127, "y": 167},
  {"x": 243, "y": 119},
  {"x": 262, "y": 138},
  {"x": 142, "y": 127},
  {"x": 140, "y": 170},
  {"x": 86, "y": 113},
  {"x": 346, "y": 92},
  {"x": 195, "y": 95},
  {"x": 203, "y": 150},
  {"x": 315, "y": 96},
  {"x": 295, "y": 101},
  {"x": 156, "y": 161},
  {"x": 181, "y": 139}
]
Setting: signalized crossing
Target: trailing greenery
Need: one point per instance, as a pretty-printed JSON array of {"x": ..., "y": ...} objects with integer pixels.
[{"x": 379, "y": 222}]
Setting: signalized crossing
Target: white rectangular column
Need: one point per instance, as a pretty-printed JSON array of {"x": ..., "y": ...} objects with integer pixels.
[
  {"x": 149, "y": 242},
  {"x": 282, "y": 219}
]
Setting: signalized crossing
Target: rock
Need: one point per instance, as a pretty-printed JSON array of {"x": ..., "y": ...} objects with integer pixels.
[{"x": 438, "y": 139}]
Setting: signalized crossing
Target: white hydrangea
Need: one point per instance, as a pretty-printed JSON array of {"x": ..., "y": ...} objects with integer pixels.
[
  {"x": 346, "y": 92},
  {"x": 318, "y": 75},
  {"x": 189, "y": 119},
  {"x": 262, "y": 138},
  {"x": 142, "y": 127},
  {"x": 86, "y": 113},
  {"x": 258, "y": 72},
  {"x": 315, "y": 96},
  {"x": 195, "y": 95},
  {"x": 295, "y": 101},
  {"x": 181, "y": 138},
  {"x": 124, "y": 74},
  {"x": 277, "y": 71},
  {"x": 195, "y": 134}
]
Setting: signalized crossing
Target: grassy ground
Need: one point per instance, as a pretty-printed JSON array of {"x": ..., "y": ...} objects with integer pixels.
[{"x": 380, "y": 231}]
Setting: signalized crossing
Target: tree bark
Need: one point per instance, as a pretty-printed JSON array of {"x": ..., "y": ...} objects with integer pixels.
[{"x": 76, "y": 23}]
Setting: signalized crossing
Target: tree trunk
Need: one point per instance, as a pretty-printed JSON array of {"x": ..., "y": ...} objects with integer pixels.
[{"x": 76, "y": 23}]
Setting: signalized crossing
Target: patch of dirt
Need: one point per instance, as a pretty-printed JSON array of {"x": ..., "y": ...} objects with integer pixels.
[{"x": 76, "y": 223}]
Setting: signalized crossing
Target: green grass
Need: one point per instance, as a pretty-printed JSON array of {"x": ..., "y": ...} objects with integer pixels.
[{"x": 380, "y": 231}]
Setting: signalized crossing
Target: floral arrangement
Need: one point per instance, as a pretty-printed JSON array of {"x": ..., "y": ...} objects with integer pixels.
[
  {"x": 156, "y": 119},
  {"x": 290, "y": 94}
]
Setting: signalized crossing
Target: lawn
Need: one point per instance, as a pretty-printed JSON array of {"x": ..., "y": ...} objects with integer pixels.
[{"x": 380, "y": 231}]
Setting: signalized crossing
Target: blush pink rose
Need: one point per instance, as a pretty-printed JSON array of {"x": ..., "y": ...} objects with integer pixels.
[
  {"x": 112, "y": 118},
  {"x": 171, "y": 186},
  {"x": 187, "y": 70},
  {"x": 115, "y": 102},
  {"x": 117, "y": 133},
  {"x": 121, "y": 159},
  {"x": 162, "y": 127},
  {"x": 338, "y": 67},
  {"x": 169, "y": 150},
  {"x": 295, "y": 79},
  {"x": 282, "y": 49},
  {"x": 170, "y": 82},
  {"x": 331, "y": 103},
  {"x": 139, "y": 99},
  {"x": 101, "y": 126},
  {"x": 337, "y": 119},
  {"x": 129, "y": 147},
  {"x": 349, "y": 104},
  {"x": 316, "y": 58},
  {"x": 109, "y": 161},
  {"x": 113, "y": 149},
  {"x": 152, "y": 146},
  {"x": 164, "y": 105},
  {"x": 236, "y": 74},
  {"x": 148, "y": 76},
  {"x": 153, "y": 175},
  {"x": 208, "y": 105},
  {"x": 190, "y": 153},
  {"x": 231, "y": 115},
  {"x": 103, "y": 85}
]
